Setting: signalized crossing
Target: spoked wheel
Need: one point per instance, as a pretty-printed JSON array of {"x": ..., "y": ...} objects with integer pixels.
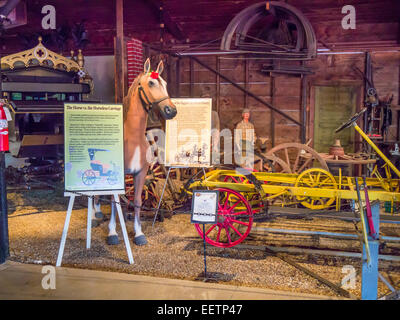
[
  {"x": 275, "y": 164},
  {"x": 159, "y": 172},
  {"x": 112, "y": 178},
  {"x": 234, "y": 220},
  {"x": 320, "y": 179},
  {"x": 89, "y": 177},
  {"x": 298, "y": 157},
  {"x": 233, "y": 179},
  {"x": 253, "y": 198}
]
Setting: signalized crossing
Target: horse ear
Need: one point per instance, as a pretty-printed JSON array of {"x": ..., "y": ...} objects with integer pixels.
[
  {"x": 147, "y": 66},
  {"x": 160, "y": 67}
]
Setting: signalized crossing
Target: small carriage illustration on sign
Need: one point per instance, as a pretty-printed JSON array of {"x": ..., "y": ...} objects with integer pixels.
[{"x": 99, "y": 170}]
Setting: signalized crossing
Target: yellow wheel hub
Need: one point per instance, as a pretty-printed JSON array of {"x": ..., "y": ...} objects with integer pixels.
[{"x": 318, "y": 179}]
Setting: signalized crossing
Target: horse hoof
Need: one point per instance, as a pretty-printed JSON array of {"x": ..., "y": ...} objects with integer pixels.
[
  {"x": 95, "y": 223},
  {"x": 99, "y": 215},
  {"x": 112, "y": 240},
  {"x": 140, "y": 240}
]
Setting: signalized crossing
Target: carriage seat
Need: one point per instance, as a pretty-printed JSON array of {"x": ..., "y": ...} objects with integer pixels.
[{"x": 96, "y": 165}]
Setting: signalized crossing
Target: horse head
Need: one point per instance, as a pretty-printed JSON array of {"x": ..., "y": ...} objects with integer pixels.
[{"x": 152, "y": 90}]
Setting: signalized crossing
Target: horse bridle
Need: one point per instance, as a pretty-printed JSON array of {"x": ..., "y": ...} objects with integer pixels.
[{"x": 146, "y": 103}]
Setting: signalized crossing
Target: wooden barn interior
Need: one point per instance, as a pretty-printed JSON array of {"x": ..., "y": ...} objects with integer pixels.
[
  {"x": 304, "y": 94},
  {"x": 321, "y": 81}
]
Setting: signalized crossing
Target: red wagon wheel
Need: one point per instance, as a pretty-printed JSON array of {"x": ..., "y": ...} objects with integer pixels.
[
  {"x": 250, "y": 197},
  {"x": 234, "y": 220}
]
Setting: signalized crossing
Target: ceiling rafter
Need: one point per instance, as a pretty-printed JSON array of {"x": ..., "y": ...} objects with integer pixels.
[{"x": 171, "y": 26}]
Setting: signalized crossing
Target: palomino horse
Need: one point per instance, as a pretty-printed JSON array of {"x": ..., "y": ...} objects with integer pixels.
[{"x": 148, "y": 93}]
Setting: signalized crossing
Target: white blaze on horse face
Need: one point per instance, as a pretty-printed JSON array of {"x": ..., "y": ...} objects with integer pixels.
[
  {"x": 164, "y": 86},
  {"x": 135, "y": 162},
  {"x": 158, "y": 89}
]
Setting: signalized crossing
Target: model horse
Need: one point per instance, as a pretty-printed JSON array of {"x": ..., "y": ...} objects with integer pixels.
[{"x": 147, "y": 94}]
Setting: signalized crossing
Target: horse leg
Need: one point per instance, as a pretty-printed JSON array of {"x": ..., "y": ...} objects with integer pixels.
[
  {"x": 112, "y": 237},
  {"x": 140, "y": 238},
  {"x": 97, "y": 208},
  {"x": 97, "y": 215}
]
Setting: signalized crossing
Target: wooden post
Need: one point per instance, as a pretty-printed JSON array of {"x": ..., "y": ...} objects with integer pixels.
[
  {"x": 4, "y": 242},
  {"x": 191, "y": 64},
  {"x": 178, "y": 78},
  {"x": 4, "y": 238},
  {"x": 246, "y": 83},
  {"x": 119, "y": 50},
  {"x": 303, "y": 108},
  {"x": 218, "y": 84},
  {"x": 272, "y": 111}
]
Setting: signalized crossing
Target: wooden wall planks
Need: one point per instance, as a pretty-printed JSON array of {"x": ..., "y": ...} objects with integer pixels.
[{"x": 332, "y": 70}]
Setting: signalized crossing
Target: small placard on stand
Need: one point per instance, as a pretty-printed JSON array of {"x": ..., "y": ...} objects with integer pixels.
[
  {"x": 204, "y": 210},
  {"x": 204, "y": 206}
]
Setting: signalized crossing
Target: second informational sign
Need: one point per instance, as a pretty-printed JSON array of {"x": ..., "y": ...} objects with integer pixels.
[
  {"x": 188, "y": 135},
  {"x": 94, "y": 147},
  {"x": 204, "y": 206}
]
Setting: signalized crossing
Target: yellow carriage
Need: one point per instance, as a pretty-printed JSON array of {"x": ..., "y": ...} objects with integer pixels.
[{"x": 244, "y": 194}]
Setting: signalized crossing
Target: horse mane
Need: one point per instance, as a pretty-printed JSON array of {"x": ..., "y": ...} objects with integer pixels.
[{"x": 129, "y": 96}]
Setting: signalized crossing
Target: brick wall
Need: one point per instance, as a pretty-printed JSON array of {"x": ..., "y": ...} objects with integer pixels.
[{"x": 134, "y": 54}]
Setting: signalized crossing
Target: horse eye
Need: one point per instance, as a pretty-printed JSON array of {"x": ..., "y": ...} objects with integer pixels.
[{"x": 151, "y": 83}]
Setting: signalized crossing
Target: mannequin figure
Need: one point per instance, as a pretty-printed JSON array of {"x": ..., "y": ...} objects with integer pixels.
[{"x": 246, "y": 136}]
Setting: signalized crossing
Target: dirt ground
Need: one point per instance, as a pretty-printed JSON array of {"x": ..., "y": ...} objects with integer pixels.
[{"x": 175, "y": 250}]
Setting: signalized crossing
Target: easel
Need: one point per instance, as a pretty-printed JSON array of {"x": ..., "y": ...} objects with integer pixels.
[
  {"x": 165, "y": 184},
  {"x": 90, "y": 194}
]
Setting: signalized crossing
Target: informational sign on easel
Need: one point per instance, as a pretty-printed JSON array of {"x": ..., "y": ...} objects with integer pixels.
[
  {"x": 188, "y": 135},
  {"x": 93, "y": 147},
  {"x": 187, "y": 138},
  {"x": 93, "y": 160}
]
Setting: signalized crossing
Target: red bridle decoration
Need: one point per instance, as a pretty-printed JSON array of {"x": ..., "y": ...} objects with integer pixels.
[{"x": 154, "y": 75}]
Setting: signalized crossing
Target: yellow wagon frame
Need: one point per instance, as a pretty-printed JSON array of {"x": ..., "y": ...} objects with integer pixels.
[{"x": 277, "y": 184}]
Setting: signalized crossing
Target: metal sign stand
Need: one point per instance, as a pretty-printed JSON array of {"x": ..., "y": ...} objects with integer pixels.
[
  {"x": 211, "y": 214},
  {"x": 205, "y": 253},
  {"x": 163, "y": 190},
  {"x": 72, "y": 196}
]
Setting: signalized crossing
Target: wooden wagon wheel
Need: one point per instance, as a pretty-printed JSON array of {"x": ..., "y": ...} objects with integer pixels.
[
  {"x": 160, "y": 172},
  {"x": 319, "y": 179},
  {"x": 234, "y": 220},
  {"x": 297, "y": 156},
  {"x": 274, "y": 164}
]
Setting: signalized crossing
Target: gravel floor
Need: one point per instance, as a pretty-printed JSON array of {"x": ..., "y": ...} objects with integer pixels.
[{"x": 176, "y": 251}]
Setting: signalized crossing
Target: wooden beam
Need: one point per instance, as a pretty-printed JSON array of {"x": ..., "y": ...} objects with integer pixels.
[
  {"x": 272, "y": 111},
  {"x": 119, "y": 59},
  {"x": 244, "y": 90},
  {"x": 218, "y": 83},
  {"x": 172, "y": 27},
  {"x": 178, "y": 78},
  {"x": 303, "y": 107},
  {"x": 246, "y": 83},
  {"x": 191, "y": 70}
]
